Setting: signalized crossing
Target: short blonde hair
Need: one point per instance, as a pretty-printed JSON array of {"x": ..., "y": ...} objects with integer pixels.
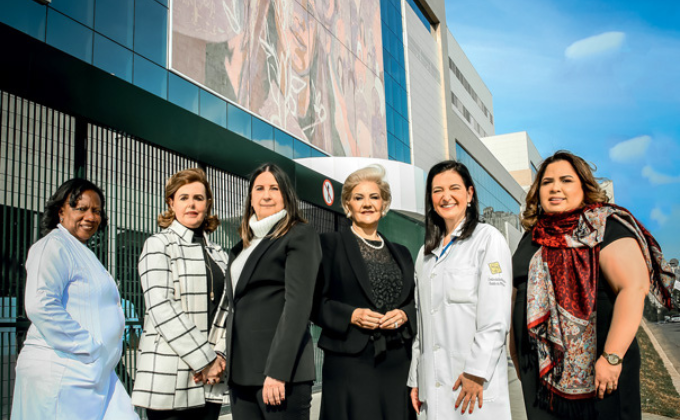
[
  {"x": 177, "y": 181},
  {"x": 371, "y": 173}
]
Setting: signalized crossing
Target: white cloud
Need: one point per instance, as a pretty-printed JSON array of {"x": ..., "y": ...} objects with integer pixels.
[
  {"x": 657, "y": 178},
  {"x": 595, "y": 45},
  {"x": 658, "y": 215},
  {"x": 630, "y": 150}
]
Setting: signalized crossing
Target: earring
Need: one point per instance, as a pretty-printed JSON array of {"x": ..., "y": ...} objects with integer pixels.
[
  {"x": 384, "y": 213},
  {"x": 349, "y": 215},
  {"x": 539, "y": 209},
  {"x": 469, "y": 204},
  {"x": 61, "y": 220}
]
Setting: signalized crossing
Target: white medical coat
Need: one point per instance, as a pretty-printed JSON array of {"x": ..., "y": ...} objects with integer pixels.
[
  {"x": 463, "y": 300},
  {"x": 66, "y": 367}
]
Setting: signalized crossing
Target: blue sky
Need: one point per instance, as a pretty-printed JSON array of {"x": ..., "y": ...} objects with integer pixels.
[{"x": 598, "y": 78}]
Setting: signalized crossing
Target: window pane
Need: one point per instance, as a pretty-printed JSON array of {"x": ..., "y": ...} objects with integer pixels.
[
  {"x": 112, "y": 58},
  {"x": 263, "y": 133},
  {"x": 69, "y": 36},
  {"x": 80, "y": 10},
  {"x": 317, "y": 153},
  {"x": 27, "y": 16},
  {"x": 301, "y": 150},
  {"x": 114, "y": 18},
  {"x": 182, "y": 93},
  {"x": 151, "y": 31},
  {"x": 150, "y": 77},
  {"x": 283, "y": 144},
  {"x": 213, "y": 108},
  {"x": 239, "y": 121}
]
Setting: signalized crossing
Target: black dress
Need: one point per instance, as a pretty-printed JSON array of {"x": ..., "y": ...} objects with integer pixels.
[
  {"x": 371, "y": 385},
  {"x": 622, "y": 404}
]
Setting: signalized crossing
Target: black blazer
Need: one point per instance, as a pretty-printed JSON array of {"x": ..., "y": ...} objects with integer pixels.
[
  {"x": 272, "y": 305},
  {"x": 344, "y": 286}
]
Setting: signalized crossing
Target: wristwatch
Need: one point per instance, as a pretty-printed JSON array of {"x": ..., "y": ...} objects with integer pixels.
[{"x": 612, "y": 358}]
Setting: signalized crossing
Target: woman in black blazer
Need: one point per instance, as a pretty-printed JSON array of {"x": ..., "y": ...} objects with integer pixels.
[
  {"x": 272, "y": 272},
  {"x": 367, "y": 310}
]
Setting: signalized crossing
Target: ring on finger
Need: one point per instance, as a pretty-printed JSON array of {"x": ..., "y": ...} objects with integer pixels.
[{"x": 396, "y": 324}]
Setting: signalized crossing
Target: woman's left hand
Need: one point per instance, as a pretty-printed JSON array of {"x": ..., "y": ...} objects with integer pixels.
[
  {"x": 393, "y": 320},
  {"x": 473, "y": 389},
  {"x": 273, "y": 391},
  {"x": 606, "y": 377}
]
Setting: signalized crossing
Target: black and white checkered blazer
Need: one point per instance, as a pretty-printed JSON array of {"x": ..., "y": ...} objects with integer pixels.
[{"x": 176, "y": 341}]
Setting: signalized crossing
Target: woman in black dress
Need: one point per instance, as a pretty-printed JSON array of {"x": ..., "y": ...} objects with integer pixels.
[
  {"x": 581, "y": 273},
  {"x": 367, "y": 310}
]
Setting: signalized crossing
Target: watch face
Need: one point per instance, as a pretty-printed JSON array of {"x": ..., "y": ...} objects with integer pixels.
[{"x": 613, "y": 359}]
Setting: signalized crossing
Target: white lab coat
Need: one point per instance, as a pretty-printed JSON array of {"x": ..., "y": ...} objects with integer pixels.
[
  {"x": 463, "y": 301},
  {"x": 66, "y": 367}
]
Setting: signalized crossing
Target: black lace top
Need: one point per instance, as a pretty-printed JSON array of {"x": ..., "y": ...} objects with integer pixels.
[{"x": 384, "y": 274}]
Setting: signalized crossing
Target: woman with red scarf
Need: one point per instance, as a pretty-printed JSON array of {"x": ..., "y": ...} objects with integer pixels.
[{"x": 581, "y": 274}]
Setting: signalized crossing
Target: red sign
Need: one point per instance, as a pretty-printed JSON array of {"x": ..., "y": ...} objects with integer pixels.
[{"x": 328, "y": 193}]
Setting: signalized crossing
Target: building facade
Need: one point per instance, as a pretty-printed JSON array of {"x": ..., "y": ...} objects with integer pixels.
[{"x": 126, "y": 92}]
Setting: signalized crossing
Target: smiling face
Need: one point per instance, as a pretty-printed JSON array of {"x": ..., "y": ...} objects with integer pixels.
[
  {"x": 366, "y": 205},
  {"x": 266, "y": 197},
  {"x": 561, "y": 188},
  {"x": 190, "y": 205},
  {"x": 450, "y": 198},
  {"x": 83, "y": 220}
]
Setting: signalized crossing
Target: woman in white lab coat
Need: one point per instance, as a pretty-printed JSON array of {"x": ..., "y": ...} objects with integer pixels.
[
  {"x": 66, "y": 367},
  {"x": 463, "y": 293}
]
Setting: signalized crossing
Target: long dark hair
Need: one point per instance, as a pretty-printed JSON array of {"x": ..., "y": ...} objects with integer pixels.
[
  {"x": 290, "y": 203},
  {"x": 72, "y": 190},
  {"x": 435, "y": 227}
]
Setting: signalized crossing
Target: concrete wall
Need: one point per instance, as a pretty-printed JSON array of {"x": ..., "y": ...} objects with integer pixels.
[
  {"x": 456, "y": 53},
  {"x": 427, "y": 130}
]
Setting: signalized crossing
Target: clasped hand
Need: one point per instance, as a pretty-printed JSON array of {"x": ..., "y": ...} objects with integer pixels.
[
  {"x": 370, "y": 320},
  {"x": 211, "y": 374}
]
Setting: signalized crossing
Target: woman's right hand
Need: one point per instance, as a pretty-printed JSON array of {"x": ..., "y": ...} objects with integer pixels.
[
  {"x": 415, "y": 401},
  {"x": 366, "y": 318}
]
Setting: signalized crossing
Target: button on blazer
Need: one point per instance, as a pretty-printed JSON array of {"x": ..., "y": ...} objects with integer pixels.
[{"x": 272, "y": 305}]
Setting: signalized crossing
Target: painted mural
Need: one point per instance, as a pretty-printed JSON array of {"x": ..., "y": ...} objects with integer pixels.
[{"x": 311, "y": 67}]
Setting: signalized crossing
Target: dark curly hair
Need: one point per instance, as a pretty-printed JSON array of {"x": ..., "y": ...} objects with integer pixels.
[{"x": 70, "y": 190}]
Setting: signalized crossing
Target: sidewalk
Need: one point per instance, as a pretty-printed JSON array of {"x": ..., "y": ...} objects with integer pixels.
[{"x": 516, "y": 401}]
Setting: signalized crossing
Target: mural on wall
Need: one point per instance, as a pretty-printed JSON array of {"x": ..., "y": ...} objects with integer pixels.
[{"x": 311, "y": 67}]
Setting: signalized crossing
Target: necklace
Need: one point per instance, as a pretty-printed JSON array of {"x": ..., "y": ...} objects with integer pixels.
[{"x": 382, "y": 241}]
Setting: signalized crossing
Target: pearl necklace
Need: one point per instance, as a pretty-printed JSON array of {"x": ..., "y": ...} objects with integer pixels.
[{"x": 382, "y": 241}]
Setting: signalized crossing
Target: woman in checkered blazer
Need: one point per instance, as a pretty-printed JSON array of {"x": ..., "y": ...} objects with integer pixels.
[{"x": 181, "y": 353}]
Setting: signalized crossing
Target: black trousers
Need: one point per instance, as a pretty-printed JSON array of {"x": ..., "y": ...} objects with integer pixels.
[
  {"x": 247, "y": 403},
  {"x": 211, "y": 411}
]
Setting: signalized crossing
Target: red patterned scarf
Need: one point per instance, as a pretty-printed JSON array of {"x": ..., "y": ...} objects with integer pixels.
[{"x": 561, "y": 301}]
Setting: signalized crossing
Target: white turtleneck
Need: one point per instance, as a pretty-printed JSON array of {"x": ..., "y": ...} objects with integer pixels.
[{"x": 260, "y": 229}]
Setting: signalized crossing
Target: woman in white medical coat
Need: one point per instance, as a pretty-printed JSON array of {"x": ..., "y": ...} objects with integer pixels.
[
  {"x": 463, "y": 294},
  {"x": 66, "y": 367}
]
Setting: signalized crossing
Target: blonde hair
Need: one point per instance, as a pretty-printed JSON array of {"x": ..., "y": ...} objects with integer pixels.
[
  {"x": 177, "y": 181},
  {"x": 372, "y": 173},
  {"x": 592, "y": 192}
]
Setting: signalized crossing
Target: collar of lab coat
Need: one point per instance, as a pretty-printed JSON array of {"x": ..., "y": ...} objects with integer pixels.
[{"x": 456, "y": 232}]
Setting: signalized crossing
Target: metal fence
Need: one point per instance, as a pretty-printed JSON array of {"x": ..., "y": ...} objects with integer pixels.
[{"x": 41, "y": 148}]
